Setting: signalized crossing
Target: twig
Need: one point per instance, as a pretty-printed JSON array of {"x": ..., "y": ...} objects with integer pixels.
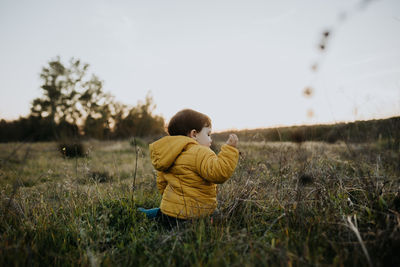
[
  {"x": 14, "y": 192},
  {"x": 76, "y": 161},
  {"x": 136, "y": 160},
  {"x": 275, "y": 221},
  {"x": 28, "y": 149},
  {"x": 15, "y": 185},
  {"x": 13, "y": 152},
  {"x": 355, "y": 230}
]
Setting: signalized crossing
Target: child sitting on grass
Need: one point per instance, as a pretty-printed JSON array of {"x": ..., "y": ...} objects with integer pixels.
[{"x": 188, "y": 170}]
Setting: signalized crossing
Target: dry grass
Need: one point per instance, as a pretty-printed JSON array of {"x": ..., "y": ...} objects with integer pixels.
[{"x": 287, "y": 204}]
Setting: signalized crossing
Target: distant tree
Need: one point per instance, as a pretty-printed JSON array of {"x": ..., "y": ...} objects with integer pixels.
[
  {"x": 139, "y": 120},
  {"x": 70, "y": 96}
]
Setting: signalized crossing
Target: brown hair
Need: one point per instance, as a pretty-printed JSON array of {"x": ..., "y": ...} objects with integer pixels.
[{"x": 186, "y": 120}]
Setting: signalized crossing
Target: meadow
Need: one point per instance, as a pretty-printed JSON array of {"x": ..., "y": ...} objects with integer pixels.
[{"x": 287, "y": 204}]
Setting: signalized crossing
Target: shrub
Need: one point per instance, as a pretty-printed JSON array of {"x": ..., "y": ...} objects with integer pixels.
[{"x": 72, "y": 149}]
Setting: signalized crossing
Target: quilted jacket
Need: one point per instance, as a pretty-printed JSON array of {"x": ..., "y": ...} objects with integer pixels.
[{"x": 187, "y": 174}]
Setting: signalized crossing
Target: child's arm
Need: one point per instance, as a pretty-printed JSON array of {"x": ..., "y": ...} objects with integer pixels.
[
  {"x": 217, "y": 168},
  {"x": 161, "y": 182}
]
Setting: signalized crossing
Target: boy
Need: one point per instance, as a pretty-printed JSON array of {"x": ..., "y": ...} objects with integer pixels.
[{"x": 188, "y": 170}]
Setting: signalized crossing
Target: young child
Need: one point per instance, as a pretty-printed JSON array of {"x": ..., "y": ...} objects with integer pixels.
[{"x": 188, "y": 170}]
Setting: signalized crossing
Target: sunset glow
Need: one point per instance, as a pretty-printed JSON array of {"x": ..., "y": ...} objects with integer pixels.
[{"x": 247, "y": 64}]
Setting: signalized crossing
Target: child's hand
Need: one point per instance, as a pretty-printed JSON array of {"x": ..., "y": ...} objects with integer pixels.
[{"x": 233, "y": 140}]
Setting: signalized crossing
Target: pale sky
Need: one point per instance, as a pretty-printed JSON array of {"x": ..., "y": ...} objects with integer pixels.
[{"x": 244, "y": 63}]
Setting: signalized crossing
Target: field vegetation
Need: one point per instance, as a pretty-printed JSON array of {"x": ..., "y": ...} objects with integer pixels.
[{"x": 287, "y": 204}]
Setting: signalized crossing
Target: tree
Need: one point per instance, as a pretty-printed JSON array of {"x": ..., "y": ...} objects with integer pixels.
[
  {"x": 70, "y": 96},
  {"x": 139, "y": 120}
]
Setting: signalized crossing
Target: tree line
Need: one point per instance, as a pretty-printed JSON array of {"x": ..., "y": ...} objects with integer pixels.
[
  {"x": 74, "y": 105},
  {"x": 386, "y": 131}
]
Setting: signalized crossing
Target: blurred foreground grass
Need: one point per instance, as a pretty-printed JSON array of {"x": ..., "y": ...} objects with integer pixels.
[{"x": 287, "y": 204}]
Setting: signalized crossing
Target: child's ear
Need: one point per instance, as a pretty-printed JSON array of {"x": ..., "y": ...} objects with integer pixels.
[{"x": 193, "y": 134}]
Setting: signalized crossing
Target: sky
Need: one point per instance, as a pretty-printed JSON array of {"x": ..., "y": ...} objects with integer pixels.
[{"x": 246, "y": 64}]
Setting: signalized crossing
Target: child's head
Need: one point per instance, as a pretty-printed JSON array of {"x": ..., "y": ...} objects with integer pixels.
[{"x": 193, "y": 124}]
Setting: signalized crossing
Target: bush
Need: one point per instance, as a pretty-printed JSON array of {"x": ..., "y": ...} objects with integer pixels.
[{"x": 72, "y": 149}]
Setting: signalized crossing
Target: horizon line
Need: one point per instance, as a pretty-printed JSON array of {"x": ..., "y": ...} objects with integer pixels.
[{"x": 302, "y": 124}]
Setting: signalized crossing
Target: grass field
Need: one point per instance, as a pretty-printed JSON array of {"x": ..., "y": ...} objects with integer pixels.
[{"x": 286, "y": 205}]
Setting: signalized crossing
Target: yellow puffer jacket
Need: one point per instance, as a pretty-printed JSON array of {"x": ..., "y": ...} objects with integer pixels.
[{"x": 188, "y": 174}]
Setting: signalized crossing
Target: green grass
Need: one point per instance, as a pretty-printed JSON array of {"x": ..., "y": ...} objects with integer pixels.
[{"x": 286, "y": 204}]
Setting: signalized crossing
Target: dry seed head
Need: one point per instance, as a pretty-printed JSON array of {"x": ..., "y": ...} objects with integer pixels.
[
  {"x": 310, "y": 113},
  {"x": 314, "y": 67},
  {"x": 308, "y": 92}
]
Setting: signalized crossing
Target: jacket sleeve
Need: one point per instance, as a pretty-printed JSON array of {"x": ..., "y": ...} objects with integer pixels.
[
  {"x": 161, "y": 182},
  {"x": 217, "y": 168}
]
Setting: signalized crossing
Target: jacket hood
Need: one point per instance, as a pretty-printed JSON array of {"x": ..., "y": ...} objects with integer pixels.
[{"x": 164, "y": 151}]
